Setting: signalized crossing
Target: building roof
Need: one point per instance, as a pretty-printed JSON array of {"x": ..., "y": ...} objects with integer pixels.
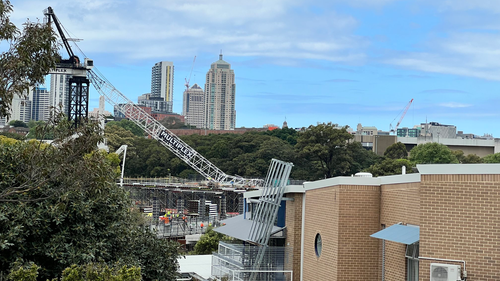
[
  {"x": 459, "y": 169},
  {"x": 199, "y": 264}
]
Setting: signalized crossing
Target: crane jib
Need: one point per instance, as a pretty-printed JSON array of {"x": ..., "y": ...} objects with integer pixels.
[{"x": 175, "y": 144}]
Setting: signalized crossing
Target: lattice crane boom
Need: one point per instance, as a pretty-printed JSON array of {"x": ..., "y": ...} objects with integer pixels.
[
  {"x": 164, "y": 136},
  {"x": 402, "y": 116}
]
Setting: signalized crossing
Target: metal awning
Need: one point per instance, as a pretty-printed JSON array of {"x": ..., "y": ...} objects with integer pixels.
[
  {"x": 239, "y": 228},
  {"x": 406, "y": 234}
]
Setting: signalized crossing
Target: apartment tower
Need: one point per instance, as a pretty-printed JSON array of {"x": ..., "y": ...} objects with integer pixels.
[
  {"x": 194, "y": 106},
  {"x": 162, "y": 82},
  {"x": 220, "y": 113},
  {"x": 59, "y": 92}
]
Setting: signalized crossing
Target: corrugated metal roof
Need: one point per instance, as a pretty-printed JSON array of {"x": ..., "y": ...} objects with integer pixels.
[
  {"x": 239, "y": 228},
  {"x": 406, "y": 234}
]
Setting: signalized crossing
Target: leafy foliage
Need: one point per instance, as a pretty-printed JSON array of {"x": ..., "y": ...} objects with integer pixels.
[
  {"x": 17, "y": 123},
  {"x": 432, "y": 153},
  {"x": 389, "y": 167},
  {"x": 209, "y": 242},
  {"x": 127, "y": 125},
  {"x": 396, "y": 151},
  {"x": 30, "y": 56},
  {"x": 90, "y": 218},
  {"x": 492, "y": 158}
]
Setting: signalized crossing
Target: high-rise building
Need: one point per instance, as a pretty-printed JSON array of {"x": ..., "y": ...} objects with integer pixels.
[
  {"x": 59, "y": 92},
  {"x": 40, "y": 104},
  {"x": 194, "y": 106},
  {"x": 220, "y": 93},
  {"x": 162, "y": 82}
]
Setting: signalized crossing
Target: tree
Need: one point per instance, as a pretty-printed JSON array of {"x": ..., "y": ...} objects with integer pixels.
[
  {"x": 30, "y": 56},
  {"x": 127, "y": 125},
  {"x": 209, "y": 242},
  {"x": 492, "y": 158},
  {"x": 469, "y": 159},
  {"x": 17, "y": 123},
  {"x": 389, "y": 167},
  {"x": 326, "y": 144},
  {"x": 89, "y": 220},
  {"x": 432, "y": 153},
  {"x": 396, "y": 151}
]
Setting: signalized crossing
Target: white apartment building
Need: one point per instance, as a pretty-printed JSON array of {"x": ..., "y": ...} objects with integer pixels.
[{"x": 194, "y": 106}]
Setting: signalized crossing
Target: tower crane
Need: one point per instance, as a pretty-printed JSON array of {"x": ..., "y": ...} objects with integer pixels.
[
  {"x": 191, "y": 72},
  {"x": 154, "y": 128},
  {"x": 400, "y": 119},
  {"x": 78, "y": 107}
]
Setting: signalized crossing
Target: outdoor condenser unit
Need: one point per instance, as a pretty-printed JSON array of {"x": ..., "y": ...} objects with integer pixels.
[{"x": 445, "y": 272}]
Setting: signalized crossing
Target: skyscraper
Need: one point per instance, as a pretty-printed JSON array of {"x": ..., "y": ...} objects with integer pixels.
[
  {"x": 220, "y": 90},
  {"x": 194, "y": 106},
  {"x": 162, "y": 82},
  {"x": 40, "y": 104},
  {"x": 59, "y": 91}
]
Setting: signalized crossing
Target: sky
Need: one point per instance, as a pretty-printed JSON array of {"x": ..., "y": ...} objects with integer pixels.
[{"x": 303, "y": 61}]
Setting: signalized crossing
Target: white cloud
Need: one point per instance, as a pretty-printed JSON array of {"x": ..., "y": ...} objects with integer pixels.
[
  {"x": 146, "y": 29},
  {"x": 455, "y": 105}
]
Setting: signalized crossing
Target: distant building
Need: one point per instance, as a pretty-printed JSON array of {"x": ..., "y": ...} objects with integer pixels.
[
  {"x": 366, "y": 130},
  {"x": 406, "y": 132},
  {"x": 162, "y": 82},
  {"x": 438, "y": 130},
  {"x": 194, "y": 106},
  {"x": 157, "y": 104},
  {"x": 40, "y": 104},
  {"x": 59, "y": 96},
  {"x": 220, "y": 97}
]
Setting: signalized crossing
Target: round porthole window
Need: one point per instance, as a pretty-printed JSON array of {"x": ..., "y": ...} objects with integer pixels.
[{"x": 318, "y": 245}]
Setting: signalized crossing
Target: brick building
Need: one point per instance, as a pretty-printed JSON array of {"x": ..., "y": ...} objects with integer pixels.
[{"x": 444, "y": 219}]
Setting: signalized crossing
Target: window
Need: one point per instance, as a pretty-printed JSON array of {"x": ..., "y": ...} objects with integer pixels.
[
  {"x": 412, "y": 252},
  {"x": 318, "y": 245}
]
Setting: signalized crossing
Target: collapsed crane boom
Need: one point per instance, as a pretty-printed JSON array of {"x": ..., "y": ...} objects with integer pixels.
[{"x": 164, "y": 136}]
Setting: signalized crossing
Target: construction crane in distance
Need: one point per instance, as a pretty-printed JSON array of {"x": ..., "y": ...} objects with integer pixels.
[
  {"x": 154, "y": 128},
  {"x": 191, "y": 72},
  {"x": 78, "y": 107},
  {"x": 395, "y": 130}
]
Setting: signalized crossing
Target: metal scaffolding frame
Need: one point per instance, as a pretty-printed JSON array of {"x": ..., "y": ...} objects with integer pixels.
[{"x": 267, "y": 209}]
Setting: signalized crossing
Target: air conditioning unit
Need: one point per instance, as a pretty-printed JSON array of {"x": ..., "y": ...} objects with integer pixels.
[{"x": 445, "y": 272}]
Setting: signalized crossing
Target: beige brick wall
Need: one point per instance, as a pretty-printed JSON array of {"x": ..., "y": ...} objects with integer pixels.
[
  {"x": 399, "y": 203},
  {"x": 293, "y": 233},
  {"x": 345, "y": 217},
  {"x": 460, "y": 220}
]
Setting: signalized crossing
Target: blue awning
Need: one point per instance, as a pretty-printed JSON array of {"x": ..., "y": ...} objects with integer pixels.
[{"x": 406, "y": 234}]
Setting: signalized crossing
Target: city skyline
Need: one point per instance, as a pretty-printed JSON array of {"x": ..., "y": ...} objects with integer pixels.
[{"x": 306, "y": 61}]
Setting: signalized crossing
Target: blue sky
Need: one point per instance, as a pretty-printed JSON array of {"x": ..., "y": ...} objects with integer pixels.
[{"x": 309, "y": 61}]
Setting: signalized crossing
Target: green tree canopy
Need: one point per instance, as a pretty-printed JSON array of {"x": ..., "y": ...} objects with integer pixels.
[
  {"x": 492, "y": 158},
  {"x": 18, "y": 123},
  {"x": 89, "y": 220},
  {"x": 389, "y": 167},
  {"x": 326, "y": 143},
  {"x": 432, "y": 153},
  {"x": 32, "y": 52},
  {"x": 209, "y": 242},
  {"x": 396, "y": 151},
  {"x": 127, "y": 125}
]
